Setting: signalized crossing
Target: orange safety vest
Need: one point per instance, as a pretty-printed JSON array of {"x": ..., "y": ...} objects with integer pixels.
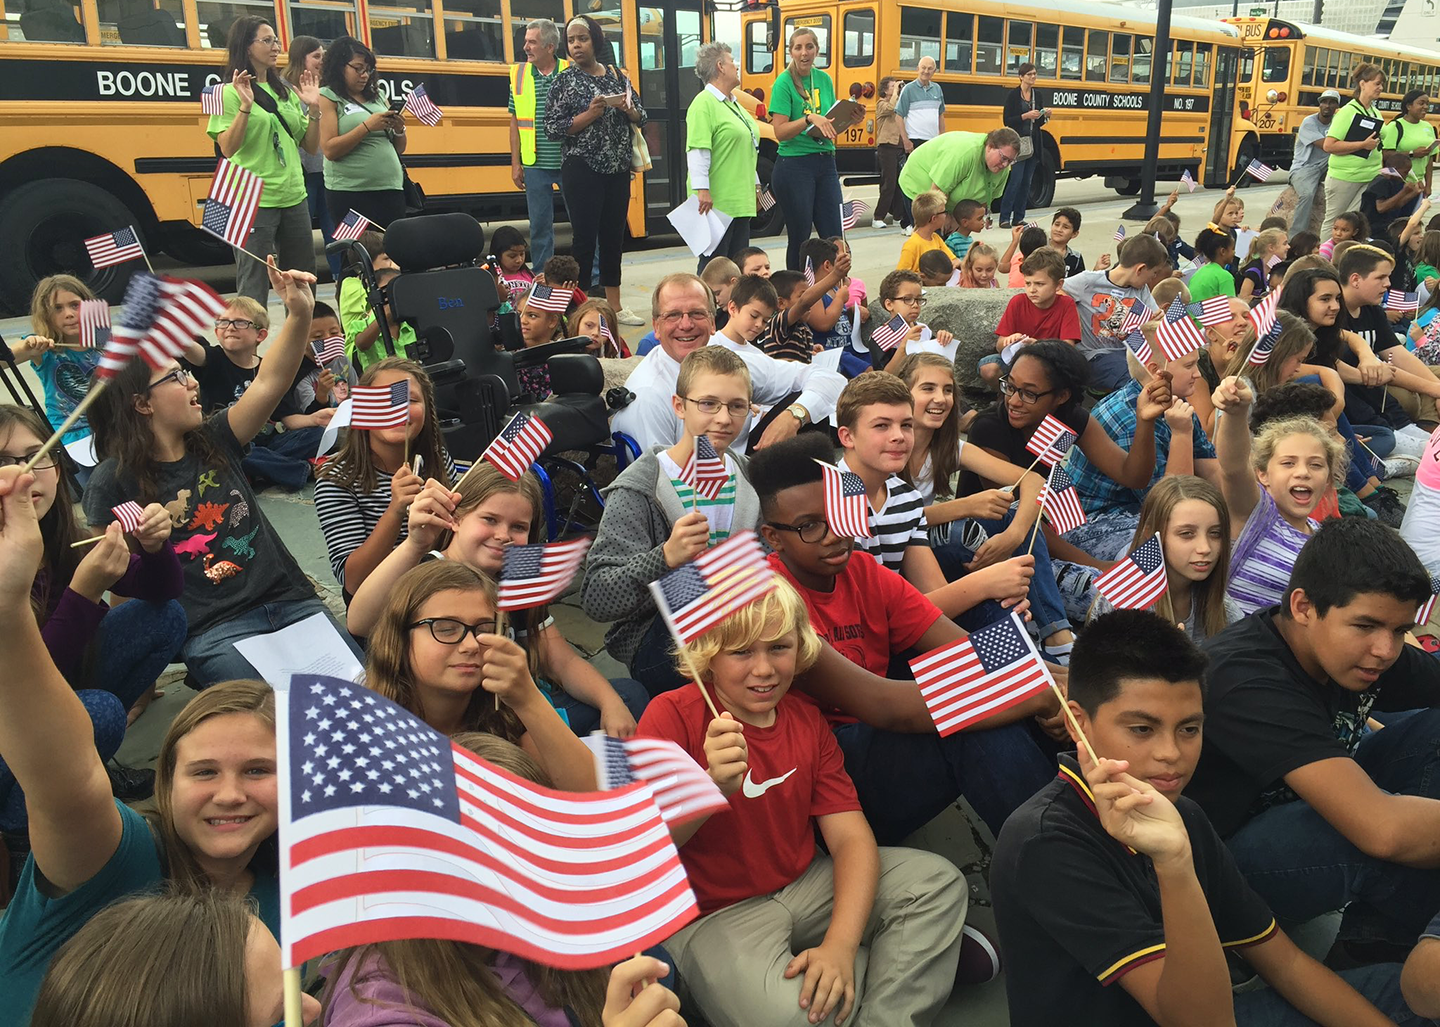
[{"x": 522, "y": 91}]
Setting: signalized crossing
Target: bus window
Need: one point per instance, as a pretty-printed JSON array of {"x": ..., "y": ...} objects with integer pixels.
[
  {"x": 216, "y": 18},
  {"x": 959, "y": 41},
  {"x": 1119, "y": 57},
  {"x": 1334, "y": 72},
  {"x": 403, "y": 28},
  {"x": 1144, "y": 56},
  {"x": 1184, "y": 57},
  {"x": 859, "y": 39},
  {"x": 1047, "y": 50},
  {"x": 56, "y": 22},
  {"x": 989, "y": 44},
  {"x": 159, "y": 23},
  {"x": 608, "y": 16},
  {"x": 919, "y": 36},
  {"x": 759, "y": 59},
  {"x": 1307, "y": 70},
  {"x": 1020, "y": 35},
  {"x": 1072, "y": 53},
  {"x": 473, "y": 31},
  {"x": 1202, "y": 65},
  {"x": 1097, "y": 51},
  {"x": 323, "y": 19},
  {"x": 522, "y": 12},
  {"x": 817, "y": 23}
]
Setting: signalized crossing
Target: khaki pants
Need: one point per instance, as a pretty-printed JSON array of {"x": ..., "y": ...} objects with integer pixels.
[
  {"x": 1420, "y": 407},
  {"x": 1340, "y": 197},
  {"x": 731, "y": 964}
]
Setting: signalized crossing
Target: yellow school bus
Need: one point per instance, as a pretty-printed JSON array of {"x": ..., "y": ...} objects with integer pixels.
[
  {"x": 1094, "y": 63},
  {"x": 1288, "y": 64},
  {"x": 100, "y": 121}
]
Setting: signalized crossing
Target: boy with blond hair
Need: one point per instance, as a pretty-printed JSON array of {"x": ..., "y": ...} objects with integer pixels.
[{"x": 929, "y": 211}]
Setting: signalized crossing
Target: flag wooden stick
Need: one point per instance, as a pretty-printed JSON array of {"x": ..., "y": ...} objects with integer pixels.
[
  {"x": 695, "y": 487},
  {"x": 66, "y": 424},
  {"x": 690, "y": 669},
  {"x": 1169, "y": 607},
  {"x": 1018, "y": 480},
  {"x": 241, "y": 249},
  {"x": 1370, "y": 451},
  {"x": 86, "y": 541},
  {"x": 1074, "y": 724},
  {"x": 146, "y": 257},
  {"x": 293, "y": 1009},
  {"x": 499, "y": 630},
  {"x": 1034, "y": 532}
]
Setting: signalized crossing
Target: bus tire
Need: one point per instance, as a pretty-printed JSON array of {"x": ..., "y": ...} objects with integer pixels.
[
  {"x": 1042, "y": 183},
  {"x": 43, "y": 228},
  {"x": 767, "y": 222},
  {"x": 189, "y": 245},
  {"x": 1248, "y": 151},
  {"x": 1130, "y": 187}
]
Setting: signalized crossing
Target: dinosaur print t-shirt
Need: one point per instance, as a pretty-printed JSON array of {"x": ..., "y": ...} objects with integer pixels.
[{"x": 233, "y": 559}]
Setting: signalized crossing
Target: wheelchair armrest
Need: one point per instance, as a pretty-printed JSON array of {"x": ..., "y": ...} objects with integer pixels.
[
  {"x": 447, "y": 373},
  {"x": 572, "y": 373},
  {"x": 534, "y": 356}
]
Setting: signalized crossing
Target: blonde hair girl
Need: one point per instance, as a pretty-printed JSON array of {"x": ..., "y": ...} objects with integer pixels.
[
  {"x": 64, "y": 370},
  {"x": 977, "y": 270}
]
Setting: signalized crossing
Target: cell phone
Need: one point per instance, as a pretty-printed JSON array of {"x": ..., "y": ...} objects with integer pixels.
[{"x": 397, "y": 105}]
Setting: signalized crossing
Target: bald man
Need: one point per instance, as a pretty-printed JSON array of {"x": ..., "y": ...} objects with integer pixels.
[{"x": 922, "y": 104}]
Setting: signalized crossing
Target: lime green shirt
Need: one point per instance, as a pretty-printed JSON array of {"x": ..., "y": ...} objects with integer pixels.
[
  {"x": 1360, "y": 166},
  {"x": 355, "y": 317},
  {"x": 1403, "y": 135},
  {"x": 373, "y": 164},
  {"x": 955, "y": 162},
  {"x": 1211, "y": 280},
  {"x": 724, "y": 129},
  {"x": 270, "y": 148},
  {"x": 819, "y": 97}
]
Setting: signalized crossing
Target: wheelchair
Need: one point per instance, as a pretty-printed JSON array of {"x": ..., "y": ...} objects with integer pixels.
[{"x": 449, "y": 297}]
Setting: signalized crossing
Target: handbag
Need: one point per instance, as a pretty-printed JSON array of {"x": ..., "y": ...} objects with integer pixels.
[
  {"x": 414, "y": 195},
  {"x": 1027, "y": 149},
  {"x": 639, "y": 150}
]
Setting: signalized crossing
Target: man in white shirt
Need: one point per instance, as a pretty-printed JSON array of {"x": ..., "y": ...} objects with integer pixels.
[
  {"x": 922, "y": 104},
  {"x": 1307, "y": 167}
]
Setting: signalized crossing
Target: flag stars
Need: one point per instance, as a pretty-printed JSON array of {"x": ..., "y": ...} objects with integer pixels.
[
  {"x": 329, "y": 791},
  {"x": 312, "y": 713}
]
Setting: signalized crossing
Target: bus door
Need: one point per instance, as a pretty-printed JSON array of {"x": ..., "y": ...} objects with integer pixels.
[
  {"x": 668, "y": 38},
  {"x": 1216, "y": 172},
  {"x": 853, "y": 67}
]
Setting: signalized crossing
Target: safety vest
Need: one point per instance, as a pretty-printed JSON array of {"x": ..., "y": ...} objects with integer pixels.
[{"x": 522, "y": 91}]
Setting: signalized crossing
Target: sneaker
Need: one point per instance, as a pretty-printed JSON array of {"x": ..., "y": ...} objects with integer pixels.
[
  {"x": 130, "y": 784},
  {"x": 979, "y": 957},
  {"x": 1005, "y": 225},
  {"x": 877, "y": 224},
  {"x": 626, "y": 316},
  {"x": 1400, "y": 466},
  {"x": 1387, "y": 506},
  {"x": 909, "y": 229}
]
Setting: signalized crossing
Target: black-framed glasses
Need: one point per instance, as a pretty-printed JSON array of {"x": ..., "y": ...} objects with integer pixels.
[
  {"x": 243, "y": 324},
  {"x": 1007, "y": 388},
  {"x": 917, "y": 300},
  {"x": 43, "y": 464},
  {"x": 363, "y": 69},
  {"x": 810, "y": 532},
  {"x": 449, "y": 631},
  {"x": 712, "y": 406},
  {"x": 180, "y": 376}
]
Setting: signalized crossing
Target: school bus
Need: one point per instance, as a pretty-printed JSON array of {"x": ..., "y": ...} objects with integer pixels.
[
  {"x": 1094, "y": 63},
  {"x": 1288, "y": 64},
  {"x": 100, "y": 121}
]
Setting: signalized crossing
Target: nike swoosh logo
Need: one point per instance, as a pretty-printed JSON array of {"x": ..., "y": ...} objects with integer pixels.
[{"x": 754, "y": 791}]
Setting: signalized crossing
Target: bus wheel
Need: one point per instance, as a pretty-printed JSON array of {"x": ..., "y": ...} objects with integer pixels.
[
  {"x": 43, "y": 228},
  {"x": 189, "y": 245},
  {"x": 1042, "y": 184},
  {"x": 772, "y": 221},
  {"x": 1249, "y": 150},
  {"x": 1129, "y": 187}
]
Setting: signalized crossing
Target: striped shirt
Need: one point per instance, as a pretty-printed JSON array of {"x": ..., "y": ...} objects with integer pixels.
[
  {"x": 347, "y": 517},
  {"x": 720, "y": 511},
  {"x": 896, "y": 525},
  {"x": 1264, "y": 556}
]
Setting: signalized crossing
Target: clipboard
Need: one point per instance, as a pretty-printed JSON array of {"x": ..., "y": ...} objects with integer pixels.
[
  {"x": 842, "y": 114},
  {"x": 1362, "y": 127}
]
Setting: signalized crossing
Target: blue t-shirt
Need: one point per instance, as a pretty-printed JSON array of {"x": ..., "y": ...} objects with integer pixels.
[
  {"x": 840, "y": 334},
  {"x": 65, "y": 376},
  {"x": 35, "y": 926},
  {"x": 647, "y": 344}
]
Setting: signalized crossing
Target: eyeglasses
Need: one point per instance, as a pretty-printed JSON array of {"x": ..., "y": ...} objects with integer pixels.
[
  {"x": 676, "y": 316},
  {"x": 362, "y": 69},
  {"x": 809, "y": 532},
  {"x": 234, "y": 322},
  {"x": 1026, "y": 396},
  {"x": 712, "y": 406},
  {"x": 180, "y": 375},
  {"x": 449, "y": 631},
  {"x": 1006, "y": 162},
  {"x": 43, "y": 464},
  {"x": 916, "y": 300},
  {"x": 272, "y": 42}
]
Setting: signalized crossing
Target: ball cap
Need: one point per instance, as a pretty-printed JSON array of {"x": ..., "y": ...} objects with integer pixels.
[{"x": 1330, "y": 94}]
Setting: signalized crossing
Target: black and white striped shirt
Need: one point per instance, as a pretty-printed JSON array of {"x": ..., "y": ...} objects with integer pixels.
[{"x": 896, "y": 525}]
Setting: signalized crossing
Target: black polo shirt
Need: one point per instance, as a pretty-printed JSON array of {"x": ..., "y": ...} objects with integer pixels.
[
  {"x": 1078, "y": 910},
  {"x": 993, "y": 431},
  {"x": 1265, "y": 716}
]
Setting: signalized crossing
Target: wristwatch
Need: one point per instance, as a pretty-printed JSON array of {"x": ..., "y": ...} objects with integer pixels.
[{"x": 798, "y": 412}]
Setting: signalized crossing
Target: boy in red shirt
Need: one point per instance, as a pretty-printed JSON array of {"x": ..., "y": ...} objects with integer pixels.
[
  {"x": 877, "y": 930},
  {"x": 1043, "y": 311}
]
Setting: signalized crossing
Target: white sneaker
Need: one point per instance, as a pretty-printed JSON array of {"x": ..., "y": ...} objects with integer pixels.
[
  {"x": 626, "y": 316},
  {"x": 877, "y": 224},
  {"x": 1400, "y": 466},
  {"x": 908, "y": 229}
]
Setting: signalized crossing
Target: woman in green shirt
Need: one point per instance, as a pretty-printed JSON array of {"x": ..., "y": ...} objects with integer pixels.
[
  {"x": 1353, "y": 163},
  {"x": 1413, "y": 136},
  {"x": 721, "y": 144},
  {"x": 805, "y": 182},
  {"x": 264, "y": 125},
  {"x": 362, "y": 139}
]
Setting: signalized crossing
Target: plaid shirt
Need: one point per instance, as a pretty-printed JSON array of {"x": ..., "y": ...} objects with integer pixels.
[{"x": 1116, "y": 415}]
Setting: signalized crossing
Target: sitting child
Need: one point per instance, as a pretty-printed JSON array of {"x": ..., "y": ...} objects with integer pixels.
[
  {"x": 930, "y": 216},
  {"x": 537, "y": 327},
  {"x": 752, "y": 260},
  {"x": 902, "y": 295},
  {"x": 328, "y": 384},
  {"x": 1267, "y": 249},
  {"x": 826, "y": 315},
  {"x": 1064, "y": 229},
  {"x": 849, "y": 294},
  {"x": 508, "y": 253},
  {"x": 1213, "y": 277},
  {"x": 978, "y": 269},
  {"x": 562, "y": 272},
  {"x": 787, "y": 335},
  {"x": 1165, "y": 291},
  {"x": 1024, "y": 240},
  {"x": 971, "y": 217},
  {"x": 936, "y": 269},
  {"x": 1351, "y": 226},
  {"x": 720, "y": 276},
  {"x": 1103, "y": 299},
  {"x": 1043, "y": 311},
  {"x": 54, "y": 351},
  {"x": 595, "y": 319},
  {"x": 1302, "y": 244},
  {"x": 362, "y": 329}
]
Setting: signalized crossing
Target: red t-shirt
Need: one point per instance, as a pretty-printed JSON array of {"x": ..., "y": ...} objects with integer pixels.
[
  {"x": 1057, "y": 321},
  {"x": 871, "y": 614},
  {"x": 767, "y": 837}
]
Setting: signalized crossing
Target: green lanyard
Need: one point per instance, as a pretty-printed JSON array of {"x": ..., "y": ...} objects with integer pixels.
[{"x": 734, "y": 108}]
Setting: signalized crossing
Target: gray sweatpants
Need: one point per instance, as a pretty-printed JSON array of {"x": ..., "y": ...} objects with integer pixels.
[{"x": 283, "y": 231}]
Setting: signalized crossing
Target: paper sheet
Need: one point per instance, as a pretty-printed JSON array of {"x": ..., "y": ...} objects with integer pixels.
[
  {"x": 311, "y": 646},
  {"x": 1243, "y": 238},
  {"x": 701, "y": 232},
  {"x": 855, "y": 343},
  {"x": 82, "y": 451},
  {"x": 925, "y": 335},
  {"x": 341, "y": 419}
]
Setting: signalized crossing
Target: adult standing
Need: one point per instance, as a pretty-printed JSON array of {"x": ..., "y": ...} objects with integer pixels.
[
  {"x": 1024, "y": 114},
  {"x": 1353, "y": 163},
  {"x": 596, "y": 148},
  {"x": 922, "y": 105},
  {"x": 534, "y": 156},
  {"x": 361, "y": 137},
  {"x": 262, "y": 128},
  {"x": 306, "y": 54},
  {"x": 805, "y": 182},
  {"x": 721, "y": 146},
  {"x": 962, "y": 165},
  {"x": 1310, "y": 161},
  {"x": 891, "y": 147},
  {"x": 1413, "y": 136}
]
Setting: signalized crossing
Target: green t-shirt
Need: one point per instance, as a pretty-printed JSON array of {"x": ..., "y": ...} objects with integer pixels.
[
  {"x": 1403, "y": 135},
  {"x": 1211, "y": 280},
  {"x": 955, "y": 162},
  {"x": 373, "y": 164},
  {"x": 355, "y": 317},
  {"x": 721, "y": 127},
  {"x": 1361, "y": 166},
  {"x": 786, "y": 99},
  {"x": 270, "y": 147}
]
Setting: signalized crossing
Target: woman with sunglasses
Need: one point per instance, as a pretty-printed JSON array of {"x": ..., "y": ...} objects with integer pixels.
[
  {"x": 265, "y": 123},
  {"x": 361, "y": 137}
]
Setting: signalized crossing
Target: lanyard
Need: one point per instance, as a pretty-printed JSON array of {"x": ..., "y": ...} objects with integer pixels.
[{"x": 734, "y": 108}]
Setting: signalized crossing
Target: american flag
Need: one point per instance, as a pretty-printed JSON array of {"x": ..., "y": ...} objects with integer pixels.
[
  {"x": 847, "y": 507},
  {"x": 1423, "y": 616},
  {"x": 1060, "y": 502},
  {"x": 351, "y": 226},
  {"x": 851, "y": 211},
  {"x": 1260, "y": 352},
  {"x": 1136, "y": 343},
  {"x": 682, "y": 788},
  {"x": 114, "y": 248},
  {"x": 518, "y": 445},
  {"x": 556, "y": 301},
  {"x": 130, "y": 514},
  {"x": 535, "y": 574},
  {"x": 964, "y": 682},
  {"x": 809, "y": 272},
  {"x": 159, "y": 318},
  {"x": 212, "y": 100},
  {"x": 327, "y": 349},
  {"x": 1391, "y": 173},
  {"x": 419, "y": 104},
  {"x": 1262, "y": 315},
  {"x": 1401, "y": 301},
  {"x": 233, "y": 201},
  {"x": 1177, "y": 335},
  {"x": 1119, "y": 233},
  {"x": 705, "y": 470},
  {"x": 1256, "y": 169},
  {"x": 607, "y": 333},
  {"x": 380, "y": 406},
  {"x": 1188, "y": 179},
  {"x": 1214, "y": 311},
  {"x": 767, "y": 200},
  {"x": 888, "y": 335},
  {"x": 1051, "y": 441},
  {"x": 94, "y": 324},
  {"x": 1272, "y": 260},
  {"x": 698, "y": 595},
  {"x": 1138, "y": 580},
  {"x": 389, "y": 831},
  {"x": 1136, "y": 315}
]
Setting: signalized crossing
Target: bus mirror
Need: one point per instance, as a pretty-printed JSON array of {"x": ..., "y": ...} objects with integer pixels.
[{"x": 774, "y": 33}]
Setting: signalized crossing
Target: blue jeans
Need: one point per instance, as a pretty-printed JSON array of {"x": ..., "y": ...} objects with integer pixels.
[
  {"x": 1105, "y": 535},
  {"x": 1017, "y": 191},
  {"x": 1303, "y": 867},
  {"x": 540, "y": 185},
  {"x": 905, "y": 780},
  {"x": 320, "y": 211},
  {"x": 1108, "y": 370},
  {"x": 212, "y": 657},
  {"x": 1380, "y": 984},
  {"x": 107, "y": 714},
  {"x": 133, "y": 645},
  {"x": 653, "y": 664},
  {"x": 808, "y": 191},
  {"x": 1047, "y": 609},
  {"x": 584, "y": 718},
  {"x": 282, "y": 457}
]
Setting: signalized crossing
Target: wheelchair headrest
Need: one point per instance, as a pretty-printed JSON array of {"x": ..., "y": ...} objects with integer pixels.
[{"x": 434, "y": 240}]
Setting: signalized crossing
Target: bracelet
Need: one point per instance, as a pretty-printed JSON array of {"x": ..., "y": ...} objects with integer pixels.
[{"x": 244, "y": 110}]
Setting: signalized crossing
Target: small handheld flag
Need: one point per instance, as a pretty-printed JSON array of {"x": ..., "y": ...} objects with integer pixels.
[
  {"x": 1272, "y": 260},
  {"x": 809, "y": 272},
  {"x": 94, "y": 324},
  {"x": 232, "y": 203},
  {"x": 351, "y": 226},
  {"x": 159, "y": 319},
  {"x": 1188, "y": 179},
  {"x": 536, "y": 574},
  {"x": 608, "y": 335},
  {"x": 418, "y": 103},
  {"x": 1262, "y": 172},
  {"x": 114, "y": 248},
  {"x": 696, "y": 596},
  {"x": 1177, "y": 335},
  {"x": 1214, "y": 311},
  {"x": 851, "y": 211},
  {"x": 380, "y": 406},
  {"x": 1391, "y": 173},
  {"x": 1401, "y": 301},
  {"x": 212, "y": 100},
  {"x": 1423, "y": 616},
  {"x": 130, "y": 514},
  {"x": 518, "y": 445},
  {"x": 888, "y": 335},
  {"x": 1138, "y": 580},
  {"x": 543, "y": 297},
  {"x": 328, "y": 349},
  {"x": 1051, "y": 441},
  {"x": 1059, "y": 501},
  {"x": 847, "y": 507},
  {"x": 1119, "y": 233},
  {"x": 683, "y": 790},
  {"x": 1136, "y": 343},
  {"x": 705, "y": 470},
  {"x": 965, "y": 682},
  {"x": 1260, "y": 352},
  {"x": 1137, "y": 315},
  {"x": 767, "y": 200},
  {"x": 1262, "y": 315}
]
